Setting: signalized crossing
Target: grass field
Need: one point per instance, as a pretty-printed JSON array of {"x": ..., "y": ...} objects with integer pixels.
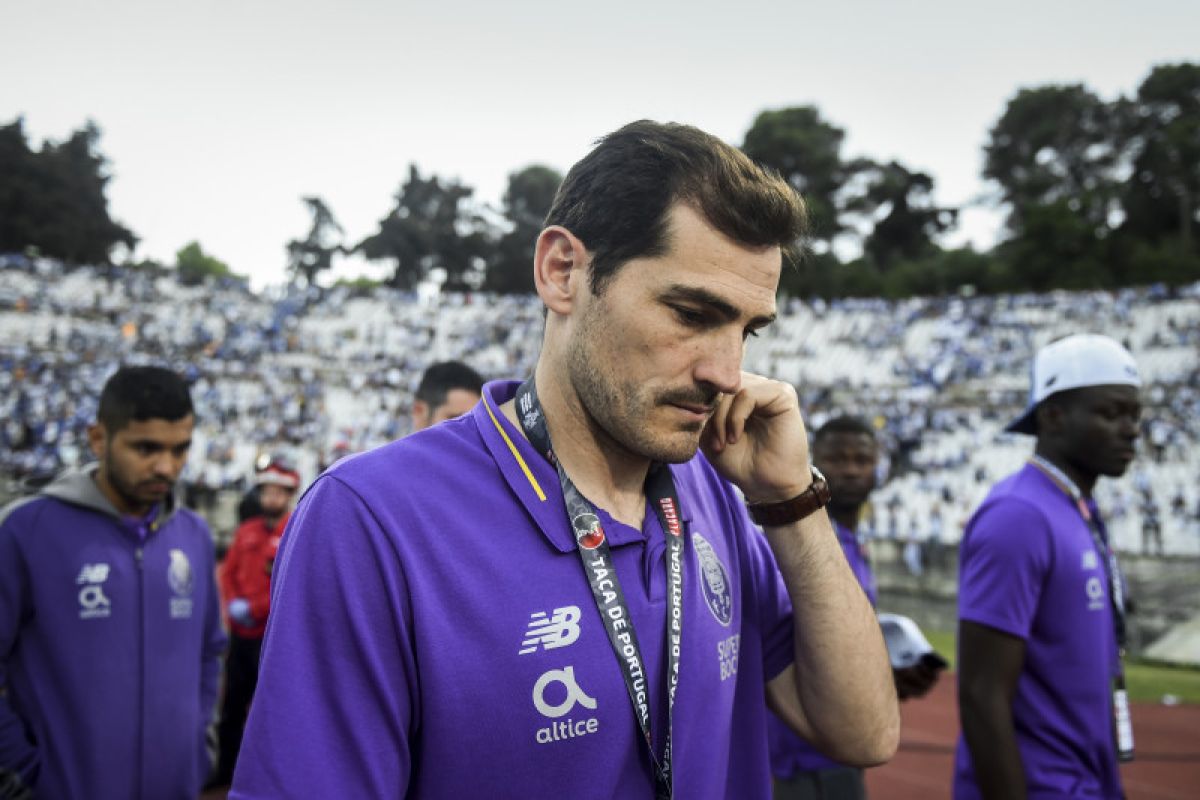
[{"x": 1146, "y": 681}]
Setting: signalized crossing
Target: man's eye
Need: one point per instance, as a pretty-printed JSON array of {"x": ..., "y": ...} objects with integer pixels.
[
  {"x": 688, "y": 316},
  {"x": 750, "y": 332}
]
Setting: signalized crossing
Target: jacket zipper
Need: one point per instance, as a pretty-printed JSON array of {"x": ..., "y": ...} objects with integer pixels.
[{"x": 141, "y": 612}]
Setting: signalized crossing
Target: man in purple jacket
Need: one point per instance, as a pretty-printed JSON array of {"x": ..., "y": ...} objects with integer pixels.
[
  {"x": 110, "y": 633},
  {"x": 557, "y": 595},
  {"x": 1041, "y": 611}
]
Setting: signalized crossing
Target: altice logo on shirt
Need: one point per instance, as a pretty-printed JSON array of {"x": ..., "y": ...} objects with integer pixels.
[
  {"x": 544, "y": 702},
  {"x": 556, "y": 692},
  {"x": 93, "y": 603}
]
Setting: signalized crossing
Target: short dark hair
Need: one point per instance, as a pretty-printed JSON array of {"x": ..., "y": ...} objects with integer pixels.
[
  {"x": 844, "y": 424},
  {"x": 441, "y": 378},
  {"x": 617, "y": 198},
  {"x": 142, "y": 393}
]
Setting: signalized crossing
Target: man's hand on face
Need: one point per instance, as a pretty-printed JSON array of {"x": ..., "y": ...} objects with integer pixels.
[{"x": 757, "y": 441}]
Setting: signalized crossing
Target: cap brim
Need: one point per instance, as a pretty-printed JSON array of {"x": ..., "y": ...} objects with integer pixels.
[{"x": 1026, "y": 423}]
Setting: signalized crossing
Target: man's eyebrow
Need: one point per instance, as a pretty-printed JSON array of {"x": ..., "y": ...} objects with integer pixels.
[
  {"x": 160, "y": 445},
  {"x": 722, "y": 307}
]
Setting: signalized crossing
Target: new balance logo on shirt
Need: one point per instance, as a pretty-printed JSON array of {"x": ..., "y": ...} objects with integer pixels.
[
  {"x": 558, "y": 630},
  {"x": 93, "y": 603}
]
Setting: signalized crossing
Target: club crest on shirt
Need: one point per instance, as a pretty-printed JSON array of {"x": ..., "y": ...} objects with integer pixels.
[
  {"x": 718, "y": 593},
  {"x": 180, "y": 579}
]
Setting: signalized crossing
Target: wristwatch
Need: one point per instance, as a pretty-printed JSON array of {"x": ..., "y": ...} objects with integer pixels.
[{"x": 786, "y": 512}]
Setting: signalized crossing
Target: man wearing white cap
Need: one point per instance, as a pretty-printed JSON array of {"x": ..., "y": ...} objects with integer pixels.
[{"x": 1041, "y": 602}]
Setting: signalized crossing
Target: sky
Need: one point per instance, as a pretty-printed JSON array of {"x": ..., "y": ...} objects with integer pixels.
[{"x": 218, "y": 116}]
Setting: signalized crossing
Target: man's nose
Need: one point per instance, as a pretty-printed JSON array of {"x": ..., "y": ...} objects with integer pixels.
[{"x": 720, "y": 363}]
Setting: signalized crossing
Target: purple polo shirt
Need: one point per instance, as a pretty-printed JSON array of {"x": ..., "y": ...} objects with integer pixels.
[
  {"x": 433, "y": 634},
  {"x": 791, "y": 755},
  {"x": 1029, "y": 567}
]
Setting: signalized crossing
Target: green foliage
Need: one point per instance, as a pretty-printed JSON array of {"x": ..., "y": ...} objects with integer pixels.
[
  {"x": 906, "y": 219},
  {"x": 314, "y": 254},
  {"x": 432, "y": 226},
  {"x": 194, "y": 266},
  {"x": 361, "y": 286},
  {"x": 806, "y": 151},
  {"x": 54, "y": 199},
  {"x": 1162, "y": 130},
  {"x": 526, "y": 202},
  {"x": 1055, "y": 144}
]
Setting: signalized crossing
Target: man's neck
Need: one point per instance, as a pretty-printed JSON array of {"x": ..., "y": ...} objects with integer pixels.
[
  {"x": 605, "y": 473},
  {"x": 1083, "y": 481}
]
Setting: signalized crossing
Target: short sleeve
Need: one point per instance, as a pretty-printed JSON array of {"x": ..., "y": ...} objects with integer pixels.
[
  {"x": 333, "y": 711},
  {"x": 1005, "y": 556}
]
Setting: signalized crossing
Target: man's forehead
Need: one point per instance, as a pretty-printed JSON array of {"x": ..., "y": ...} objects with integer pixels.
[
  {"x": 838, "y": 441},
  {"x": 1111, "y": 393},
  {"x": 157, "y": 428}
]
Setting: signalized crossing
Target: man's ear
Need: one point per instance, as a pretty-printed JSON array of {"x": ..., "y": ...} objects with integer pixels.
[
  {"x": 560, "y": 268},
  {"x": 96, "y": 436},
  {"x": 420, "y": 415}
]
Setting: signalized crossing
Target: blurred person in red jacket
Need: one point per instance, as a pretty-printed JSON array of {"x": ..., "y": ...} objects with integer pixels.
[{"x": 245, "y": 580}]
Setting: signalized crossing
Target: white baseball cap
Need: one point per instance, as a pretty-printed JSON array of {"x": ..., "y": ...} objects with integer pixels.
[
  {"x": 1084, "y": 359},
  {"x": 906, "y": 645}
]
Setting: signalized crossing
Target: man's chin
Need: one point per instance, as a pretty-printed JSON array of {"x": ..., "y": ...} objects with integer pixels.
[{"x": 682, "y": 449}]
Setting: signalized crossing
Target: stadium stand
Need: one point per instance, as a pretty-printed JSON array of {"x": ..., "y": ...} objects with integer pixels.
[{"x": 325, "y": 373}]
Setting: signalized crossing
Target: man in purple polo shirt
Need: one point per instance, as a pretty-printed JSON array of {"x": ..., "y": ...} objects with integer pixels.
[
  {"x": 846, "y": 451},
  {"x": 557, "y": 595},
  {"x": 1041, "y": 611}
]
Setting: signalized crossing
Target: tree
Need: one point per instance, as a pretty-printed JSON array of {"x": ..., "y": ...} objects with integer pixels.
[
  {"x": 526, "y": 202},
  {"x": 54, "y": 199},
  {"x": 1057, "y": 249},
  {"x": 19, "y": 181},
  {"x": 1055, "y": 144},
  {"x": 314, "y": 254},
  {"x": 193, "y": 265},
  {"x": 432, "y": 226},
  {"x": 904, "y": 217},
  {"x": 1162, "y": 126},
  {"x": 806, "y": 151}
]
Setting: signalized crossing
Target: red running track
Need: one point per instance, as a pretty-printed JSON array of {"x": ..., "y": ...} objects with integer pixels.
[{"x": 1167, "y": 766}]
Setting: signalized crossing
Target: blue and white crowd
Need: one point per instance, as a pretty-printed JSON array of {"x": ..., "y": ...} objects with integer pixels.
[{"x": 320, "y": 374}]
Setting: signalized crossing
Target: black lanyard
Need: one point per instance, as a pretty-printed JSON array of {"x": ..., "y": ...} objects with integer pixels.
[
  {"x": 1122, "y": 724},
  {"x": 592, "y": 546},
  {"x": 1112, "y": 571}
]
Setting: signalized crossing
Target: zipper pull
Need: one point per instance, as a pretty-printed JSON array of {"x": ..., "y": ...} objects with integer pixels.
[{"x": 137, "y": 556}]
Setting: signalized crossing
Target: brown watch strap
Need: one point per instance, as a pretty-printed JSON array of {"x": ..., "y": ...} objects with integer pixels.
[{"x": 786, "y": 512}]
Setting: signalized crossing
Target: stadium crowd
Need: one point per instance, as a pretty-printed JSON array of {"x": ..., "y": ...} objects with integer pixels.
[{"x": 323, "y": 373}]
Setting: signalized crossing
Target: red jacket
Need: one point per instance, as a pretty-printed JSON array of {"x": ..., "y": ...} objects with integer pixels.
[{"x": 246, "y": 572}]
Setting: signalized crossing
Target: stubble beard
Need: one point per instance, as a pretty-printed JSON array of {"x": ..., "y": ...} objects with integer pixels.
[
  {"x": 620, "y": 411},
  {"x": 127, "y": 489}
]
